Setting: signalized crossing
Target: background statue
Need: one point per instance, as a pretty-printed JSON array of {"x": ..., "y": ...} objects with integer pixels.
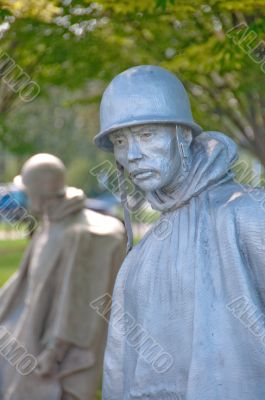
[
  {"x": 72, "y": 259},
  {"x": 187, "y": 319}
]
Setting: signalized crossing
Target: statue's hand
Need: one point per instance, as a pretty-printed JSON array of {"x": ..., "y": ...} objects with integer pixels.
[{"x": 47, "y": 363}]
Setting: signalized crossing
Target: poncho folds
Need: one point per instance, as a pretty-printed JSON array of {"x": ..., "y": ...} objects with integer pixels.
[
  {"x": 187, "y": 319},
  {"x": 73, "y": 258}
]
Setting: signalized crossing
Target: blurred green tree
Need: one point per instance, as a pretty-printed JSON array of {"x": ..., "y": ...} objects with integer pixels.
[{"x": 216, "y": 48}]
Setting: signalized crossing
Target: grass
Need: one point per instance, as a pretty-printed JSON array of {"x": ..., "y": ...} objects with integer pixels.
[
  {"x": 5, "y": 227},
  {"x": 11, "y": 252}
]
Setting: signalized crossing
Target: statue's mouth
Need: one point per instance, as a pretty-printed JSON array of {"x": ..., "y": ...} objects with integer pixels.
[{"x": 142, "y": 173}]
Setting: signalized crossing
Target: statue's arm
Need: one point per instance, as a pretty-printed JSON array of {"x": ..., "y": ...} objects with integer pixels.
[
  {"x": 87, "y": 270},
  {"x": 49, "y": 359},
  {"x": 250, "y": 221}
]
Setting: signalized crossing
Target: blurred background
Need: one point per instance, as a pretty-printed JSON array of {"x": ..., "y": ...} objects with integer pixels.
[{"x": 57, "y": 56}]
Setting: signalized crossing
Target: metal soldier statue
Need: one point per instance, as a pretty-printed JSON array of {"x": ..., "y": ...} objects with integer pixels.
[
  {"x": 73, "y": 257},
  {"x": 183, "y": 292}
]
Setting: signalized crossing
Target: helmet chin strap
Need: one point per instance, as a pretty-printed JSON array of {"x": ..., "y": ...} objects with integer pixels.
[
  {"x": 184, "y": 138},
  {"x": 124, "y": 202}
]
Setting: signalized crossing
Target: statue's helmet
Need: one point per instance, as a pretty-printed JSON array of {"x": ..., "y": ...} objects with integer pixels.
[
  {"x": 143, "y": 95},
  {"x": 44, "y": 174}
]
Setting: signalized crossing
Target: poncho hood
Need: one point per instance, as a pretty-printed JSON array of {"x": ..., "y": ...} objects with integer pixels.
[
  {"x": 213, "y": 155},
  {"x": 74, "y": 201}
]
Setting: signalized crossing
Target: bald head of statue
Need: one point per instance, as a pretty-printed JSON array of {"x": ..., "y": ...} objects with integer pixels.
[{"x": 43, "y": 177}]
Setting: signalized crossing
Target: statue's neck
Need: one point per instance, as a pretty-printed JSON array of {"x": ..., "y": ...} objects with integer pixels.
[{"x": 176, "y": 183}]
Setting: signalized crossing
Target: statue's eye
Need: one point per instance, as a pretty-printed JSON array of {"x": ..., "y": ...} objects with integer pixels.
[
  {"x": 119, "y": 141},
  {"x": 146, "y": 135}
]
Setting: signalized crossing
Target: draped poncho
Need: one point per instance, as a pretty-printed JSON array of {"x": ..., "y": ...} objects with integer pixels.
[
  {"x": 73, "y": 257},
  {"x": 187, "y": 319}
]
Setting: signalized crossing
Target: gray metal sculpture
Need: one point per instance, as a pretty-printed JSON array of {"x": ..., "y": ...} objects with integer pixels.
[
  {"x": 187, "y": 319},
  {"x": 44, "y": 307}
]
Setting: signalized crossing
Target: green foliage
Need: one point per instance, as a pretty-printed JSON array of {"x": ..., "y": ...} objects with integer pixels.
[
  {"x": 11, "y": 252},
  {"x": 73, "y": 43},
  {"x": 38, "y": 9}
]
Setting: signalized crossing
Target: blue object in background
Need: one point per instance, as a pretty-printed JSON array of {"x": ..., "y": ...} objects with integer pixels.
[{"x": 13, "y": 203}]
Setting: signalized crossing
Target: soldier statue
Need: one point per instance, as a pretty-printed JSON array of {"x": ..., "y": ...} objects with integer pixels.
[
  {"x": 73, "y": 257},
  {"x": 187, "y": 321}
]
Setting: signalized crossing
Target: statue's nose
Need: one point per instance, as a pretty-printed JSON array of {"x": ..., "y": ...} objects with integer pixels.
[{"x": 134, "y": 151}]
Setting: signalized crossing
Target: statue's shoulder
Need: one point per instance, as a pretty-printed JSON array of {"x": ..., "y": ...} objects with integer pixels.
[
  {"x": 89, "y": 223},
  {"x": 101, "y": 224},
  {"x": 238, "y": 202}
]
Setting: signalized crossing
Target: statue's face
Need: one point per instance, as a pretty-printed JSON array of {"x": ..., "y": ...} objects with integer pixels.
[
  {"x": 36, "y": 202},
  {"x": 37, "y": 199},
  {"x": 40, "y": 187},
  {"x": 149, "y": 153}
]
